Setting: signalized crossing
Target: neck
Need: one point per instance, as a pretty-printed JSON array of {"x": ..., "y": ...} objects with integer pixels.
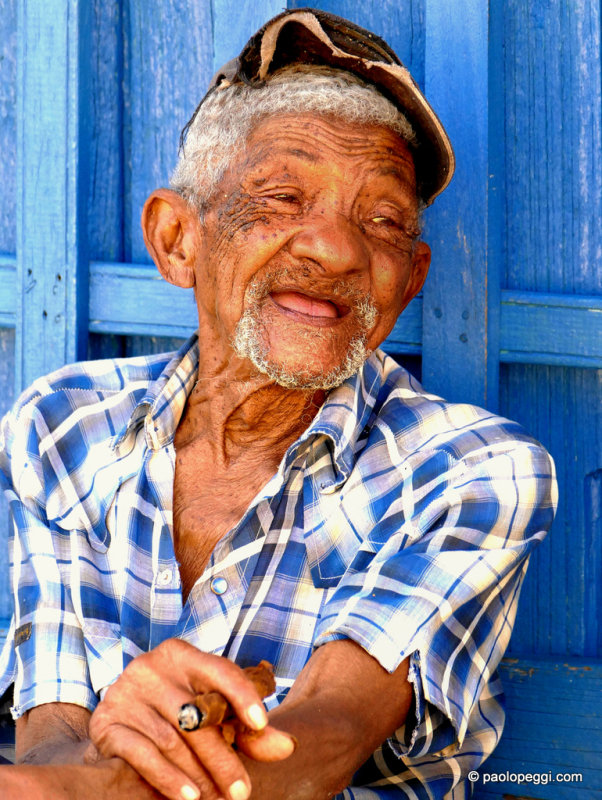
[{"x": 235, "y": 409}]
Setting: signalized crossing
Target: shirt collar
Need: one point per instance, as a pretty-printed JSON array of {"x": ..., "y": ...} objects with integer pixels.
[
  {"x": 341, "y": 419},
  {"x": 163, "y": 402}
]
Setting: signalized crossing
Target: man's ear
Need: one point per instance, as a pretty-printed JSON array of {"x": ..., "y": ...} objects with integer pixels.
[
  {"x": 171, "y": 233},
  {"x": 421, "y": 261}
]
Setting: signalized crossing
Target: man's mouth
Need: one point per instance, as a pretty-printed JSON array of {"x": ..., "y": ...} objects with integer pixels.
[{"x": 314, "y": 308}]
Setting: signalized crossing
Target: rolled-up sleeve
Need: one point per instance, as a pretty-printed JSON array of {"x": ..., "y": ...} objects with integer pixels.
[{"x": 442, "y": 588}]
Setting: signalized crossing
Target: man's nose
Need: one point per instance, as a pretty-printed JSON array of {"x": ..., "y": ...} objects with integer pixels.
[{"x": 333, "y": 241}]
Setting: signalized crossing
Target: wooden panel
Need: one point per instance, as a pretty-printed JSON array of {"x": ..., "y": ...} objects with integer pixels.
[
  {"x": 167, "y": 66},
  {"x": 553, "y": 204},
  {"x": 52, "y": 146},
  {"x": 457, "y": 340},
  {"x": 553, "y": 108},
  {"x": 562, "y": 329},
  {"x": 8, "y": 293},
  {"x": 563, "y": 588},
  {"x": 105, "y": 183},
  {"x": 554, "y": 724},
  {"x": 8, "y": 125}
]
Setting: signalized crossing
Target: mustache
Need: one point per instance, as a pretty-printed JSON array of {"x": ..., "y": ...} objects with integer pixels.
[{"x": 304, "y": 280}]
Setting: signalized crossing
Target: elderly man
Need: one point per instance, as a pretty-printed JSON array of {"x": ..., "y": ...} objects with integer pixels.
[{"x": 279, "y": 488}]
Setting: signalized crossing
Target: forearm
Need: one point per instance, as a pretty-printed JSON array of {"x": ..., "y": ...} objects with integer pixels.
[
  {"x": 52, "y": 742},
  {"x": 108, "y": 780},
  {"x": 340, "y": 709}
]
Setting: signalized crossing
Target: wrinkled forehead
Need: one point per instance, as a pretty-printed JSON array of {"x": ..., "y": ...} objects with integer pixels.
[{"x": 321, "y": 139}]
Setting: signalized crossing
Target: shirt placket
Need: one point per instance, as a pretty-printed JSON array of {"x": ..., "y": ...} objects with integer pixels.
[
  {"x": 212, "y": 612},
  {"x": 165, "y": 592}
]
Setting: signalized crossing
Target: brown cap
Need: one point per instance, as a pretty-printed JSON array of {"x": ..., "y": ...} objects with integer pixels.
[{"x": 310, "y": 36}]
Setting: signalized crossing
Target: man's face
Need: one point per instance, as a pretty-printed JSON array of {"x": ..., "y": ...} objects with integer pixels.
[{"x": 308, "y": 253}]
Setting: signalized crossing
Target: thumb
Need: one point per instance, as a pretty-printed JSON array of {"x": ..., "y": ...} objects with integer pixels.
[{"x": 270, "y": 744}]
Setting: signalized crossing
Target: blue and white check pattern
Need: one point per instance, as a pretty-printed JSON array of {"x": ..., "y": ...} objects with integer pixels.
[{"x": 397, "y": 520}]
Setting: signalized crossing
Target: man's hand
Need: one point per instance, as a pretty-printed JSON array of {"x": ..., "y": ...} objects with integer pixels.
[
  {"x": 137, "y": 721},
  {"x": 340, "y": 708}
]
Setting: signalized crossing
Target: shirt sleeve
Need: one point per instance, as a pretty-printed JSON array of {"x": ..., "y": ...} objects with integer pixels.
[
  {"x": 442, "y": 584},
  {"x": 49, "y": 658}
]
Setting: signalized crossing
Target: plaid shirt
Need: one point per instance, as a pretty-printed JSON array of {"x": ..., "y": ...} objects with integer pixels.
[{"x": 397, "y": 520}]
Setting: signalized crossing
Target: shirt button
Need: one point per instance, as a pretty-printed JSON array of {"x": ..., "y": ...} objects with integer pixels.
[
  {"x": 164, "y": 577},
  {"x": 219, "y": 585}
]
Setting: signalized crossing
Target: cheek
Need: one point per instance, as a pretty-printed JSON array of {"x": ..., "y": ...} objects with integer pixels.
[{"x": 389, "y": 282}]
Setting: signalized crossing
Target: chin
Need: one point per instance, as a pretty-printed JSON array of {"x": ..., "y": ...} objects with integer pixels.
[{"x": 304, "y": 369}]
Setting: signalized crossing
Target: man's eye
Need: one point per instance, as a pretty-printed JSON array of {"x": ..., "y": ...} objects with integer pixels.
[
  {"x": 385, "y": 221},
  {"x": 285, "y": 197}
]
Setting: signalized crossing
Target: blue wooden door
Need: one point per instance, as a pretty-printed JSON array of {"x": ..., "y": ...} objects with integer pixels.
[{"x": 92, "y": 98}]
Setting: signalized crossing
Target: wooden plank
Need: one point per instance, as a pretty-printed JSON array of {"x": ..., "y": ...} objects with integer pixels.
[
  {"x": 560, "y": 407},
  {"x": 147, "y": 304},
  {"x": 150, "y": 306},
  {"x": 8, "y": 292},
  {"x": 7, "y": 372},
  {"x": 457, "y": 341},
  {"x": 107, "y": 134},
  {"x": 167, "y": 66},
  {"x": 52, "y": 263},
  {"x": 538, "y": 328},
  {"x": 553, "y": 725},
  {"x": 8, "y": 125},
  {"x": 592, "y": 578}
]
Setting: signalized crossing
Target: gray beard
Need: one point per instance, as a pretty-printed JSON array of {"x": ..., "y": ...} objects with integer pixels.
[{"x": 250, "y": 342}]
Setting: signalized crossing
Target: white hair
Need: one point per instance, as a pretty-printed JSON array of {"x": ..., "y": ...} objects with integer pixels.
[{"x": 225, "y": 119}]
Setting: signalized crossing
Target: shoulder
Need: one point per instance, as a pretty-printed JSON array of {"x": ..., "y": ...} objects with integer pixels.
[
  {"x": 421, "y": 422},
  {"x": 56, "y": 422},
  {"x": 434, "y": 464},
  {"x": 84, "y": 389},
  {"x": 440, "y": 447}
]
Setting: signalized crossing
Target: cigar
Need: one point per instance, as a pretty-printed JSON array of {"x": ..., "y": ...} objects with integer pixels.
[{"x": 212, "y": 708}]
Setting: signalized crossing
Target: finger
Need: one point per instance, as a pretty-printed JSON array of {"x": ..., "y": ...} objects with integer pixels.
[
  {"x": 110, "y": 735},
  {"x": 197, "y": 755},
  {"x": 149, "y": 762},
  {"x": 221, "y": 762},
  {"x": 206, "y": 672},
  {"x": 269, "y": 745}
]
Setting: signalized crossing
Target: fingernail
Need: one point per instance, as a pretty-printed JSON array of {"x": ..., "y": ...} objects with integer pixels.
[
  {"x": 189, "y": 792},
  {"x": 239, "y": 791},
  {"x": 257, "y": 716}
]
